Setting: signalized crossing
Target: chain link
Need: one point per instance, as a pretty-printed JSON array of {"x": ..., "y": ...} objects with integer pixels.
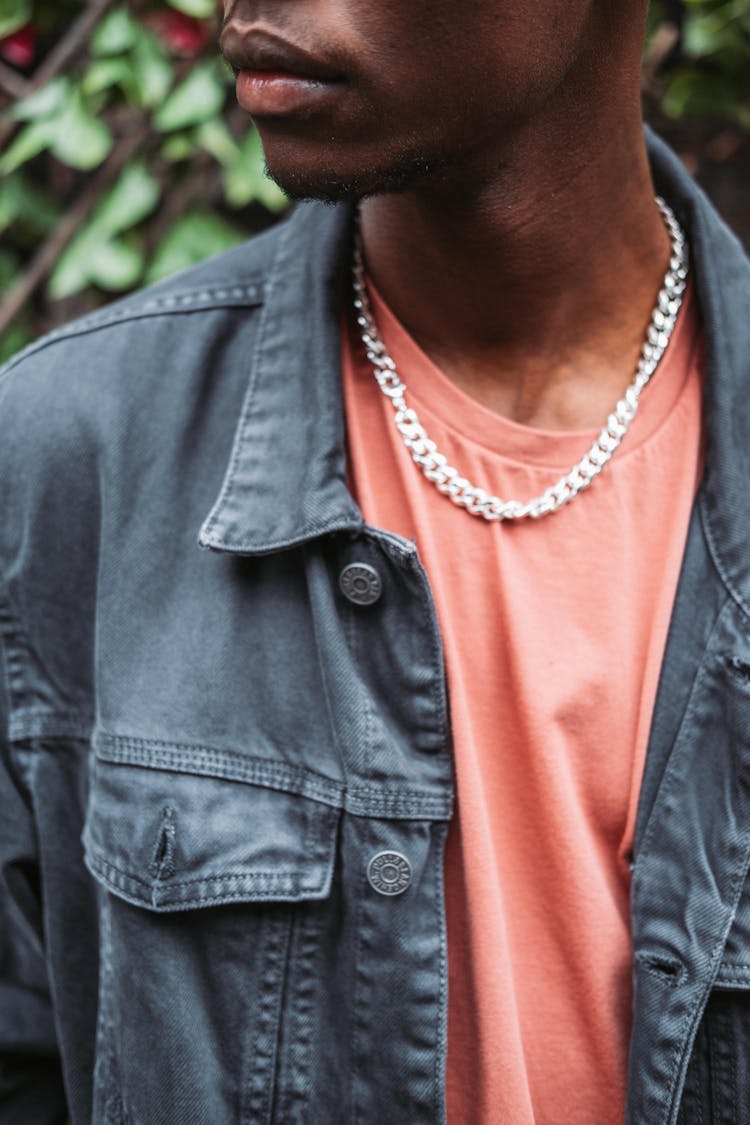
[{"x": 477, "y": 501}]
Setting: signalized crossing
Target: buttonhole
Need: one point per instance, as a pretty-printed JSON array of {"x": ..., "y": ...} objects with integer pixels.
[
  {"x": 162, "y": 861},
  {"x": 668, "y": 969}
]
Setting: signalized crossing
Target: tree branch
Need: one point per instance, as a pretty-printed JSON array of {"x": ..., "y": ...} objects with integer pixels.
[
  {"x": 13, "y": 83},
  {"x": 69, "y": 46}
]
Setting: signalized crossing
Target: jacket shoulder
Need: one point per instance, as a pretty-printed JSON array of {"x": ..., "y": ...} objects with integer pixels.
[
  {"x": 100, "y": 399},
  {"x": 81, "y": 374},
  {"x": 234, "y": 278}
]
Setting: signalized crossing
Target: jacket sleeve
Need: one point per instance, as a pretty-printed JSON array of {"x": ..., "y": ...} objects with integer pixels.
[{"x": 31, "y": 1088}]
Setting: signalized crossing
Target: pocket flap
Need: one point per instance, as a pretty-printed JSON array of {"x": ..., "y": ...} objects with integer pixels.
[{"x": 177, "y": 841}]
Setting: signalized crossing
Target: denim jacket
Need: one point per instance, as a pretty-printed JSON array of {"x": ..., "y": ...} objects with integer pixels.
[{"x": 213, "y": 729}]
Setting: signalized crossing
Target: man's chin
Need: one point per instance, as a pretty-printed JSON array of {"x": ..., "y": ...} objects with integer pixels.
[
  {"x": 299, "y": 187},
  {"x": 334, "y": 185}
]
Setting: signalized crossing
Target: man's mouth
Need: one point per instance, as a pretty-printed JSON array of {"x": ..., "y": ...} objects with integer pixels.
[{"x": 275, "y": 77}]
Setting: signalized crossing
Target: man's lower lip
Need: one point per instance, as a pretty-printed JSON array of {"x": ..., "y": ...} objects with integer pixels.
[{"x": 262, "y": 92}]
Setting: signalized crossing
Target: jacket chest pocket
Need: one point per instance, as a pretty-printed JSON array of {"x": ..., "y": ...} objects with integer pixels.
[{"x": 206, "y": 884}]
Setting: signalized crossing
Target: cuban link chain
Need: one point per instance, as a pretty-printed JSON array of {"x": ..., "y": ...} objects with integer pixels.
[{"x": 447, "y": 479}]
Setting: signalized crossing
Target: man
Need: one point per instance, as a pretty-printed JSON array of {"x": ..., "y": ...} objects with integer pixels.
[{"x": 263, "y": 922}]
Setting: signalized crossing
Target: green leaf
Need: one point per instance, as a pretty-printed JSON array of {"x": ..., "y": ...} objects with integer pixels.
[
  {"x": 107, "y": 72},
  {"x": 245, "y": 180},
  {"x": 13, "y": 14},
  {"x": 199, "y": 9},
  {"x": 115, "y": 265},
  {"x": 197, "y": 99},
  {"x": 71, "y": 274},
  {"x": 152, "y": 71},
  {"x": 27, "y": 144},
  {"x": 92, "y": 259},
  {"x": 195, "y": 236},
  {"x": 706, "y": 34},
  {"x": 61, "y": 120},
  {"x": 271, "y": 196},
  {"x": 9, "y": 266},
  {"x": 9, "y": 203},
  {"x": 133, "y": 197},
  {"x": 180, "y": 146},
  {"x": 700, "y": 95},
  {"x": 96, "y": 256},
  {"x": 117, "y": 33},
  {"x": 81, "y": 140},
  {"x": 50, "y": 99},
  {"x": 17, "y": 336},
  {"x": 22, "y": 201},
  {"x": 18, "y": 333},
  {"x": 215, "y": 138}
]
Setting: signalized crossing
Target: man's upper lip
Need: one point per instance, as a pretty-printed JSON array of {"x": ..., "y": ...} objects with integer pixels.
[{"x": 259, "y": 50}]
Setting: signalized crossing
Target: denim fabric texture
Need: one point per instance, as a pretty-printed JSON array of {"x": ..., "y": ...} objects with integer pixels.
[{"x": 205, "y": 742}]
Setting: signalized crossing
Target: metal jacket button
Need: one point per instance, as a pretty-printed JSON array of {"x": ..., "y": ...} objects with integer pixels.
[
  {"x": 360, "y": 583},
  {"x": 389, "y": 873}
]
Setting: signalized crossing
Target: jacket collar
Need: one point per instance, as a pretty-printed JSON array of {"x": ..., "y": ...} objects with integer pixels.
[
  {"x": 286, "y": 483},
  {"x": 721, "y": 272},
  {"x": 286, "y": 479}
]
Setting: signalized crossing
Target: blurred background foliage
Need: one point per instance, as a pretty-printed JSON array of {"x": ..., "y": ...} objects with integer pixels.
[{"x": 124, "y": 158}]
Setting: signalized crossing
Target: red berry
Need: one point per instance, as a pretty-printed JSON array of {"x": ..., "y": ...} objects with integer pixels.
[
  {"x": 181, "y": 34},
  {"x": 19, "y": 48}
]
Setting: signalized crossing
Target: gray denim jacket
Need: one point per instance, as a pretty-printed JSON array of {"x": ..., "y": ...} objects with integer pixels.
[{"x": 210, "y": 732}]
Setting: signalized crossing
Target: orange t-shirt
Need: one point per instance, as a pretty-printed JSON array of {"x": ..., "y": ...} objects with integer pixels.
[{"x": 554, "y": 632}]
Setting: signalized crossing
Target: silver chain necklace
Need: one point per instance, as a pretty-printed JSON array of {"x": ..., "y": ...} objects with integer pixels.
[{"x": 434, "y": 464}]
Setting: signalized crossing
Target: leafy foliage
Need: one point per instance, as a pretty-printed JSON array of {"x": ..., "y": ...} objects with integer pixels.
[
  {"x": 127, "y": 163},
  {"x": 123, "y": 156},
  {"x": 709, "y": 73}
]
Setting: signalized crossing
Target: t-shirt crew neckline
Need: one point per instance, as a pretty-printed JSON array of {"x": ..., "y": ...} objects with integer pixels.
[{"x": 434, "y": 396}]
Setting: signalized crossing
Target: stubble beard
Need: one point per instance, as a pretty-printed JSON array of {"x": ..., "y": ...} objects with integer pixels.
[{"x": 329, "y": 186}]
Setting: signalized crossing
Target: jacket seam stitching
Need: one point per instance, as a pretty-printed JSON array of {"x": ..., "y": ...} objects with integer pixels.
[
  {"x": 49, "y": 726},
  {"x": 140, "y": 747},
  {"x": 668, "y": 775},
  {"x": 716, "y": 557},
  {"x": 98, "y": 859},
  {"x": 255, "y": 767},
  {"x": 440, "y": 1052},
  {"x": 351, "y": 636},
  {"x": 339, "y": 522},
  {"x": 439, "y": 697},
  {"x": 14, "y": 638},
  {"x": 188, "y": 302}
]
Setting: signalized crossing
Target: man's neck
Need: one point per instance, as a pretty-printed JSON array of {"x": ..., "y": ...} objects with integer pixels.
[{"x": 532, "y": 285}]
